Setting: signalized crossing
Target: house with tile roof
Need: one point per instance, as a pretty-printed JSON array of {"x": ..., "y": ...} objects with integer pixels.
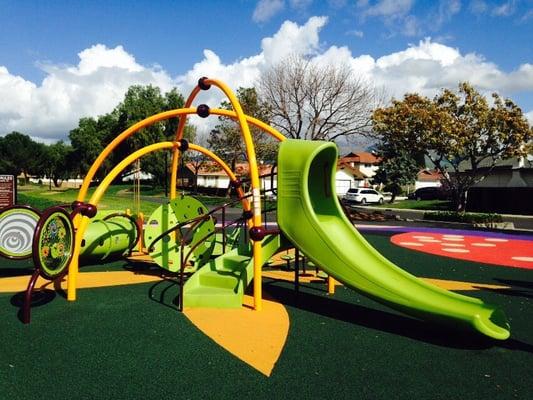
[
  {"x": 354, "y": 170},
  {"x": 428, "y": 178},
  {"x": 210, "y": 175}
]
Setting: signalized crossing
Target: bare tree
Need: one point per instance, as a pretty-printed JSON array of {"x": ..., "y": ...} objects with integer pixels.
[{"x": 317, "y": 102}]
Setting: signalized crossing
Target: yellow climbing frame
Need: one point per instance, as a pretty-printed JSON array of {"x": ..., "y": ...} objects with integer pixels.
[{"x": 81, "y": 222}]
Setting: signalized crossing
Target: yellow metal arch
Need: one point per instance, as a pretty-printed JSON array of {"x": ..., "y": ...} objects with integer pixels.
[
  {"x": 123, "y": 136},
  {"x": 243, "y": 121},
  {"x": 102, "y": 187}
]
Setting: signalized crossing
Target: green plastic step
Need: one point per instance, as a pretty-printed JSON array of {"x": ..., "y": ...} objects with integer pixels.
[
  {"x": 221, "y": 279},
  {"x": 236, "y": 262},
  {"x": 212, "y": 297},
  {"x": 221, "y": 282}
]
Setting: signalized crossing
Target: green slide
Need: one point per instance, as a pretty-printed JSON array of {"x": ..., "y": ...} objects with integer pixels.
[{"x": 310, "y": 215}]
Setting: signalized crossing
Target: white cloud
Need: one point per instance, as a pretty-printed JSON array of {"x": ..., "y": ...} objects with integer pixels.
[
  {"x": 446, "y": 10},
  {"x": 93, "y": 87},
  {"x": 266, "y": 9},
  {"x": 292, "y": 38},
  {"x": 527, "y": 16},
  {"x": 529, "y": 117},
  {"x": 356, "y": 33},
  {"x": 98, "y": 82},
  {"x": 386, "y": 8},
  {"x": 505, "y": 9}
]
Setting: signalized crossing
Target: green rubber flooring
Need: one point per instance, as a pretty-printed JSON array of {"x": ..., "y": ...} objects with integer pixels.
[{"x": 129, "y": 342}]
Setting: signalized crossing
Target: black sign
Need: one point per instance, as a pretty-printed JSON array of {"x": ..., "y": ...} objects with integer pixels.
[{"x": 7, "y": 190}]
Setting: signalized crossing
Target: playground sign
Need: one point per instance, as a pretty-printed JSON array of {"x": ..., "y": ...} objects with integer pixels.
[{"x": 8, "y": 190}]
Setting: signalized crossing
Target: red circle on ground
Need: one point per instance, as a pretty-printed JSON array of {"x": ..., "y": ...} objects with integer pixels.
[{"x": 487, "y": 250}]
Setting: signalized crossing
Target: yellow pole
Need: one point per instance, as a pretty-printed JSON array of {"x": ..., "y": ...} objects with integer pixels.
[
  {"x": 251, "y": 120},
  {"x": 256, "y": 190},
  {"x": 331, "y": 285},
  {"x": 179, "y": 136}
]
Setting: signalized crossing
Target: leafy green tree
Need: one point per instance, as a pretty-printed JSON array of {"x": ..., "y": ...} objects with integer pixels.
[
  {"x": 88, "y": 140},
  {"x": 397, "y": 168},
  {"x": 139, "y": 103},
  {"x": 93, "y": 134},
  {"x": 462, "y": 135},
  {"x": 19, "y": 154},
  {"x": 56, "y": 162},
  {"x": 226, "y": 139}
]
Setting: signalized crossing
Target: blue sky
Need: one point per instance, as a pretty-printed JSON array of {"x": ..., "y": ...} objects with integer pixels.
[{"x": 61, "y": 60}]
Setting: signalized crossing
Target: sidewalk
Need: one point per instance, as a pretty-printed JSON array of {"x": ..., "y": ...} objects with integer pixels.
[{"x": 513, "y": 222}]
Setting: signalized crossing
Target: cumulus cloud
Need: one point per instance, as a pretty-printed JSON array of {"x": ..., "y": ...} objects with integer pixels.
[{"x": 95, "y": 85}]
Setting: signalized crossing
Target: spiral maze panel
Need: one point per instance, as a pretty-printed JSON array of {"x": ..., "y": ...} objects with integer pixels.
[{"x": 17, "y": 226}]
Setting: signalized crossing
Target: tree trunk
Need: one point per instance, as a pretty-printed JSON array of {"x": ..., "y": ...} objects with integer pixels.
[{"x": 459, "y": 200}]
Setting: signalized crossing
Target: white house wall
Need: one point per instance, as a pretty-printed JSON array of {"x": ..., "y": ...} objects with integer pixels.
[
  {"x": 369, "y": 170},
  {"x": 344, "y": 181},
  {"x": 423, "y": 184}
]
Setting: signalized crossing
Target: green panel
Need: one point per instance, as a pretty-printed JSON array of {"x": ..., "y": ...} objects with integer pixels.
[
  {"x": 166, "y": 251},
  {"x": 310, "y": 215}
]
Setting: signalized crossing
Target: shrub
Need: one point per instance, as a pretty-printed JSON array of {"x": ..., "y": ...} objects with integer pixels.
[{"x": 472, "y": 218}]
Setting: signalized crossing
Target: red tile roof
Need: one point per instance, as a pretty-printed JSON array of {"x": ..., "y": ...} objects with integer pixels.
[
  {"x": 426, "y": 175},
  {"x": 361, "y": 157},
  {"x": 345, "y": 166}
]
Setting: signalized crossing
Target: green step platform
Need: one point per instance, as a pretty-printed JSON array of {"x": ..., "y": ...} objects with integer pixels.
[{"x": 222, "y": 281}]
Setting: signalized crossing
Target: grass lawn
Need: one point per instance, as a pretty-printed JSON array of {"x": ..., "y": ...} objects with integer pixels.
[
  {"x": 117, "y": 197},
  {"x": 434, "y": 205}
]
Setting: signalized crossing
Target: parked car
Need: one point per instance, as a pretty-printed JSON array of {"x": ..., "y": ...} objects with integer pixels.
[
  {"x": 429, "y": 193},
  {"x": 363, "y": 196}
]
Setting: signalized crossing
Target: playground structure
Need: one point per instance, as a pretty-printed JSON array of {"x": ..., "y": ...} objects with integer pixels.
[{"x": 310, "y": 218}]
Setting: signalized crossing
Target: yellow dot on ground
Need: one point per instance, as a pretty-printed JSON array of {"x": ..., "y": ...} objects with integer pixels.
[{"x": 255, "y": 337}]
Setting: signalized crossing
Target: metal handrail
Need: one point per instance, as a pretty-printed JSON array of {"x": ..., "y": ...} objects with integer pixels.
[
  {"x": 184, "y": 259},
  {"x": 192, "y": 220}
]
